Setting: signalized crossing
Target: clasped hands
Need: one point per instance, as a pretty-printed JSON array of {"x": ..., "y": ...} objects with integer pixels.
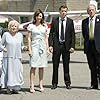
[{"x": 24, "y": 48}]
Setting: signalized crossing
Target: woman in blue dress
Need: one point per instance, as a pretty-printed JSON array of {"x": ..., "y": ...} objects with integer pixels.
[
  {"x": 12, "y": 43},
  {"x": 38, "y": 44}
]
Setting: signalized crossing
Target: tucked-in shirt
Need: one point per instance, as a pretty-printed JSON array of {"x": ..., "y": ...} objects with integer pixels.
[
  {"x": 64, "y": 23},
  {"x": 93, "y": 21}
]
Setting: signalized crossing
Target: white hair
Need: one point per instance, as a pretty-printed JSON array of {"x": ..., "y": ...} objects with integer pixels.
[{"x": 13, "y": 22}]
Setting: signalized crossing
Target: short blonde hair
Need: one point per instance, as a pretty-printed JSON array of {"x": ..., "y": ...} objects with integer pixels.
[{"x": 13, "y": 22}]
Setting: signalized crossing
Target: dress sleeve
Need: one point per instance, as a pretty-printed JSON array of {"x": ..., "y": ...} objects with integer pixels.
[
  {"x": 3, "y": 40},
  {"x": 29, "y": 28},
  {"x": 46, "y": 28}
]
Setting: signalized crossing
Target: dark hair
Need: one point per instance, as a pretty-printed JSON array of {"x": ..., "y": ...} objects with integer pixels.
[
  {"x": 36, "y": 14},
  {"x": 63, "y": 6}
]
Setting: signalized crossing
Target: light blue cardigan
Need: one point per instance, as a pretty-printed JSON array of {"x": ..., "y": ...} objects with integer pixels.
[{"x": 13, "y": 44}]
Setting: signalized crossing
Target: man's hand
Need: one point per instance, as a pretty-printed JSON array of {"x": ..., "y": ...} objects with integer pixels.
[{"x": 71, "y": 50}]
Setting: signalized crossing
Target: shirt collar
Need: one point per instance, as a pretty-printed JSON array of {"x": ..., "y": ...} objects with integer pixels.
[
  {"x": 64, "y": 18},
  {"x": 92, "y": 18}
]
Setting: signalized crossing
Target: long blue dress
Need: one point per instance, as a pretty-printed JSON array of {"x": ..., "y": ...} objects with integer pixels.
[
  {"x": 12, "y": 69},
  {"x": 39, "y": 49},
  {"x": 1, "y": 56}
]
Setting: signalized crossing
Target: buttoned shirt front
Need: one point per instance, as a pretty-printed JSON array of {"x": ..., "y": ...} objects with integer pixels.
[
  {"x": 93, "y": 21},
  {"x": 64, "y": 24}
]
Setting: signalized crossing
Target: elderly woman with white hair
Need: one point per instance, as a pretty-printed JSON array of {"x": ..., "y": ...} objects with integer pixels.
[{"x": 12, "y": 43}]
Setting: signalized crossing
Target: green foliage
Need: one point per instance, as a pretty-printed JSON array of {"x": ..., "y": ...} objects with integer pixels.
[
  {"x": 79, "y": 41},
  {"x": 79, "y": 47},
  {"x": 25, "y": 40},
  {"x": 4, "y": 25}
]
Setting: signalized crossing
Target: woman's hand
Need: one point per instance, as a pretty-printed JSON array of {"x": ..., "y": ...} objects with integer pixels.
[
  {"x": 48, "y": 52},
  {"x": 30, "y": 54},
  {"x": 4, "y": 49},
  {"x": 25, "y": 48},
  {"x": 51, "y": 49}
]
